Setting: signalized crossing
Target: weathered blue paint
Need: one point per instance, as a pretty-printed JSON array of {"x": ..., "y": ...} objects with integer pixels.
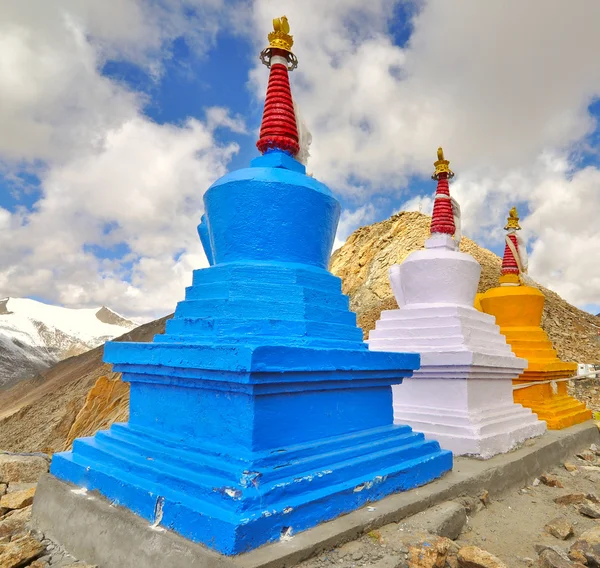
[{"x": 260, "y": 408}]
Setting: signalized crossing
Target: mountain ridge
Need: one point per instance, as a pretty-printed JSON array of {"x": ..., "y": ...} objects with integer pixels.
[{"x": 35, "y": 335}]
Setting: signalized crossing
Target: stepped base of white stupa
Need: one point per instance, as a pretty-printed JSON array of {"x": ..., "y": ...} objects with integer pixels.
[{"x": 462, "y": 394}]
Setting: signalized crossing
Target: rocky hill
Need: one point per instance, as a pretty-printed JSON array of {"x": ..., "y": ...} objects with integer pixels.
[
  {"x": 35, "y": 336},
  {"x": 363, "y": 263},
  {"x": 80, "y": 395}
]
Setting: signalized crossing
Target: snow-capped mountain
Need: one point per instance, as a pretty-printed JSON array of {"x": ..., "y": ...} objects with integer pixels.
[{"x": 34, "y": 336}]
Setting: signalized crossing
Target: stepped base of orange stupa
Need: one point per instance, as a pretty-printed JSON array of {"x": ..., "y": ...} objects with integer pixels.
[{"x": 518, "y": 312}]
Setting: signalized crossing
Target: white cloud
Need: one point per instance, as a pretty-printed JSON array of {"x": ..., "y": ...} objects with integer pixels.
[
  {"x": 110, "y": 177},
  {"x": 503, "y": 86},
  {"x": 420, "y": 203}
]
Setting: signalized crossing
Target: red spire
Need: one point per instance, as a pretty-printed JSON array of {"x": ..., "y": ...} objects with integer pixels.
[
  {"x": 278, "y": 129},
  {"x": 442, "y": 219},
  {"x": 509, "y": 262}
]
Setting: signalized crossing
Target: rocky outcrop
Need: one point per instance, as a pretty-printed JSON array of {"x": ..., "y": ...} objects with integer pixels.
[
  {"x": 106, "y": 403},
  {"x": 364, "y": 260}
]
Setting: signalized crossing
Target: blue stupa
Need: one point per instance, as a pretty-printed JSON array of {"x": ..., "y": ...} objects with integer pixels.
[{"x": 260, "y": 412}]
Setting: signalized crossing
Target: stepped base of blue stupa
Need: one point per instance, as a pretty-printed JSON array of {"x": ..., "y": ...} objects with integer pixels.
[{"x": 260, "y": 412}]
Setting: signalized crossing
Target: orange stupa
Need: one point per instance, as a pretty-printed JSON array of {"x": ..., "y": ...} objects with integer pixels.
[{"x": 518, "y": 311}]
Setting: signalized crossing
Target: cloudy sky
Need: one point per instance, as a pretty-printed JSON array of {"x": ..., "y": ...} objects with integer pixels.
[{"x": 116, "y": 116}]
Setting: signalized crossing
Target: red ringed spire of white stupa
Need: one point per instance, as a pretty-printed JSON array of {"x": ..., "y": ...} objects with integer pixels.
[{"x": 442, "y": 218}]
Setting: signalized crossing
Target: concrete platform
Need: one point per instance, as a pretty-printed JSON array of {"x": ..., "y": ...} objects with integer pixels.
[{"x": 96, "y": 531}]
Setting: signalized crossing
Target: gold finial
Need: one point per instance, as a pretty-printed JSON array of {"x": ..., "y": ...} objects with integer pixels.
[
  {"x": 280, "y": 39},
  {"x": 512, "y": 222},
  {"x": 442, "y": 166}
]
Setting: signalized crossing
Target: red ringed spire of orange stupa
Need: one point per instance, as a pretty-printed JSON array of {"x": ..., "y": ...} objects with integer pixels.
[
  {"x": 510, "y": 261},
  {"x": 279, "y": 130},
  {"x": 442, "y": 219}
]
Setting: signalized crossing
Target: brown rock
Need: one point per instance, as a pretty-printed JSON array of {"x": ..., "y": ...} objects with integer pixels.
[
  {"x": 551, "y": 480},
  {"x": 21, "y": 469},
  {"x": 41, "y": 564},
  {"x": 560, "y": 528},
  {"x": 14, "y": 522},
  {"x": 19, "y": 552},
  {"x": 474, "y": 557},
  {"x": 3, "y": 488},
  {"x": 485, "y": 498},
  {"x": 569, "y": 467},
  {"x": 592, "y": 497},
  {"x": 551, "y": 559},
  {"x": 587, "y": 456},
  {"x": 431, "y": 553},
  {"x": 17, "y": 500},
  {"x": 586, "y": 549},
  {"x": 570, "y": 498},
  {"x": 14, "y": 487},
  {"x": 588, "y": 509}
]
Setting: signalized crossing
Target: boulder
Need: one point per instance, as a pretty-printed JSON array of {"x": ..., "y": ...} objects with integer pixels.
[
  {"x": 18, "y": 499},
  {"x": 14, "y": 487},
  {"x": 560, "y": 528},
  {"x": 14, "y": 522},
  {"x": 21, "y": 469},
  {"x": 19, "y": 552}
]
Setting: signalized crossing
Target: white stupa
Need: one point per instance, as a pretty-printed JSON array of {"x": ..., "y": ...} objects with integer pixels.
[{"x": 462, "y": 395}]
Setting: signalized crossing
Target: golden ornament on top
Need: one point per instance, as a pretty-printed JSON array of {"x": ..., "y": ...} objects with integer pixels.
[
  {"x": 512, "y": 222},
  {"x": 442, "y": 166},
  {"x": 280, "y": 39}
]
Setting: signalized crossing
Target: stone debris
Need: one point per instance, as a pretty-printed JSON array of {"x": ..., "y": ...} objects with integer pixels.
[
  {"x": 551, "y": 480},
  {"x": 474, "y": 557},
  {"x": 570, "y": 467},
  {"x": 586, "y": 549},
  {"x": 485, "y": 498},
  {"x": 587, "y": 456},
  {"x": 592, "y": 497},
  {"x": 431, "y": 553},
  {"x": 590, "y": 510},
  {"x": 570, "y": 498},
  {"x": 560, "y": 528},
  {"x": 551, "y": 559}
]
